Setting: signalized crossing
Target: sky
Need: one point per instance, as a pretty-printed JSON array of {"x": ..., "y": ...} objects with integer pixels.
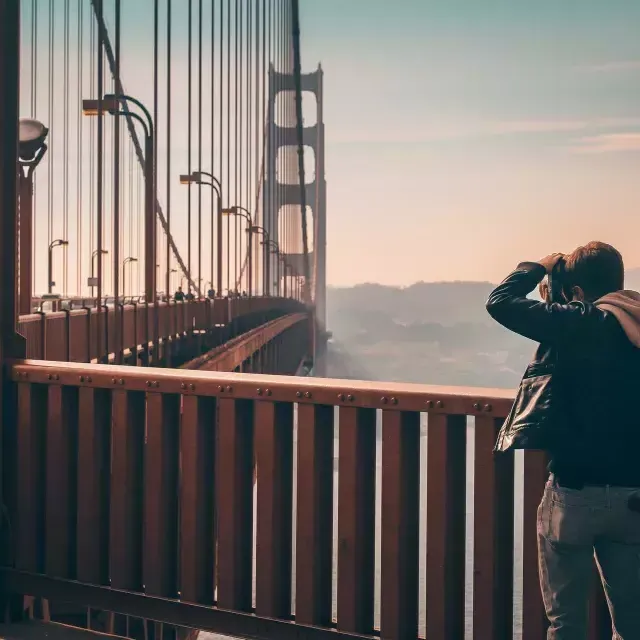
[{"x": 463, "y": 137}]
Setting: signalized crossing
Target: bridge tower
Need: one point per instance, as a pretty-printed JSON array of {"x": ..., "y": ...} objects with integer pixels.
[{"x": 280, "y": 197}]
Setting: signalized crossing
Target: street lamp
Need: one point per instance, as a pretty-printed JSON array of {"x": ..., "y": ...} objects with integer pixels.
[
  {"x": 55, "y": 243},
  {"x": 111, "y": 104},
  {"x": 287, "y": 276},
  {"x": 31, "y": 149},
  {"x": 94, "y": 255},
  {"x": 241, "y": 212},
  {"x": 170, "y": 287},
  {"x": 197, "y": 177},
  {"x": 266, "y": 285},
  {"x": 125, "y": 262},
  {"x": 275, "y": 250}
]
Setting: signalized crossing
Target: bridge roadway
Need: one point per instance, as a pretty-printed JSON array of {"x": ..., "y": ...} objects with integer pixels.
[{"x": 219, "y": 334}]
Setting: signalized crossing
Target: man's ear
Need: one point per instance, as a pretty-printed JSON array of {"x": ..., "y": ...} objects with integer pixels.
[{"x": 577, "y": 294}]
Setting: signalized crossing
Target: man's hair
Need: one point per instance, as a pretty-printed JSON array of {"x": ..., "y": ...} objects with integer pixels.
[{"x": 596, "y": 268}]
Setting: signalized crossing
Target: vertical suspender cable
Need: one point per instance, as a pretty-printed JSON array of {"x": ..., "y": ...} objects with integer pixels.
[
  {"x": 154, "y": 178},
  {"x": 264, "y": 75},
  {"x": 256, "y": 178},
  {"x": 189, "y": 108},
  {"x": 50, "y": 105},
  {"x": 65, "y": 149},
  {"x": 168, "y": 204},
  {"x": 228, "y": 189},
  {"x": 236, "y": 146},
  {"x": 80, "y": 72},
  {"x": 99, "y": 189},
  {"x": 248, "y": 120},
  {"x": 116, "y": 205},
  {"x": 200, "y": 147},
  {"x": 34, "y": 107},
  {"x": 221, "y": 151},
  {"x": 213, "y": 120}
]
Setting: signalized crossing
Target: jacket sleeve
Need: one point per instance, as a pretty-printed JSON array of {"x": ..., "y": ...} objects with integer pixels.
[{"x": 540, "y": 321}]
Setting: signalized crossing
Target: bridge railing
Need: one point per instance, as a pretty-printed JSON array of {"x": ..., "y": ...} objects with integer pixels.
[
  {"x": 72, "y": 335},
  {"x": 379, "y": 509}
]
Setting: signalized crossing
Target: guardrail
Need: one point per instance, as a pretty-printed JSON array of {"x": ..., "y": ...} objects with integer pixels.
[
  {"x": 117, "y": 516},
  {"x": 258, "y": 349},
  {"x": 73, "y": 335}
]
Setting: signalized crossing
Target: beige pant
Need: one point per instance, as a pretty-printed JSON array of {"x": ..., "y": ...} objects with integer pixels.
[{"x": 573, "y": 526}]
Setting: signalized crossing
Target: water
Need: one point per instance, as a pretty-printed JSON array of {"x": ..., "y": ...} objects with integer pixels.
[{"x": 423, "y": 525}]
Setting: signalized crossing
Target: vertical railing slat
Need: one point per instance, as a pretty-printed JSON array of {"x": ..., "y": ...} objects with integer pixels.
[
  {"x": 197, "y": 457},
  {"x": 234, "y": 499},
  {"x": 400, "y": 496},
  {"x": 446, "y": 514},
  {"x": 29, "y": 534},
  {"x": 314, "y": 535},
  {"x": 534, "y": 621},
  {"x": 493, "y": 482},
  {"x": 61, "y": 499},
  {"x": 126, "y": 490},
  {"x": 94, "y": 462},
  {"x": 356, "y": 519},
  {"x": 161, "y": 472},
  {"x": 273, "y": 433}
]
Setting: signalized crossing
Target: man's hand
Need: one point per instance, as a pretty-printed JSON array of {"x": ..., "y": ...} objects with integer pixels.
[
  {"x": 543, "y": 290},
  {"x": 550, "y": 261}
]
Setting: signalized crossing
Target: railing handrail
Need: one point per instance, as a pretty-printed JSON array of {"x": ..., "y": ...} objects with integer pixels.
[{"x": 358, "y": 393}]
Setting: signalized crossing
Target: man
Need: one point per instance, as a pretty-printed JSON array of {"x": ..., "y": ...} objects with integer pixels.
[
  {"x": 590, "y": 342},
  {"x": 179, "y": 295}
]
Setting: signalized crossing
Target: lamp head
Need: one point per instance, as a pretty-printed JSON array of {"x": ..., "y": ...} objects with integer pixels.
[
  {"x": 187, "y": 179},
  {"x": 108, "y": 104},
  {"x": 32, "y": 136}
]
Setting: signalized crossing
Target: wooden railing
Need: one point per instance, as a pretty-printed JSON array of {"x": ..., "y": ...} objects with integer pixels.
[
  {"x": 132, "y": 490},
  {"x": 80, "y": 335}
]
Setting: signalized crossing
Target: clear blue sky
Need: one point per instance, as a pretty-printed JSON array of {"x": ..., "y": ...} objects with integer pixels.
[{"x": 466, "y": 135}]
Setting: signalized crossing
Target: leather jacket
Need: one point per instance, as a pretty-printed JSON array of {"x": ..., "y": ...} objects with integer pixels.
[{"x": 591, "y": 416}]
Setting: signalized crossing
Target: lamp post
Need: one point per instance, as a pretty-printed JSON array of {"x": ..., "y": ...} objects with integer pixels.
[
  {"x": 31, "y": 150},
  {"x": 52, "y": 246},
  {"x": 196, "y": 177},
  {"x": 94, "y": 255},
  {"x": 267, "y": 269},
  {"x": 111, "y": 104},
  {"x": 241, "y": 212},
  {"x": 170, "y": 287},
  {"x": 287, "y": 275},
  {"x": 125, "y": 262},
  {"x": 275, "y": 250}
]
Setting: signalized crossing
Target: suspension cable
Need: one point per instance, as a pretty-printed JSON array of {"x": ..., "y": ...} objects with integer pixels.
[{"x": 168, "y": 203}]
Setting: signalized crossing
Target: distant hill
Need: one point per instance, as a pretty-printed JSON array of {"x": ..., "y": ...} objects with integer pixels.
[
  {"x": 443, "y": 302},
  {"x": 430, "y": 332}
]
